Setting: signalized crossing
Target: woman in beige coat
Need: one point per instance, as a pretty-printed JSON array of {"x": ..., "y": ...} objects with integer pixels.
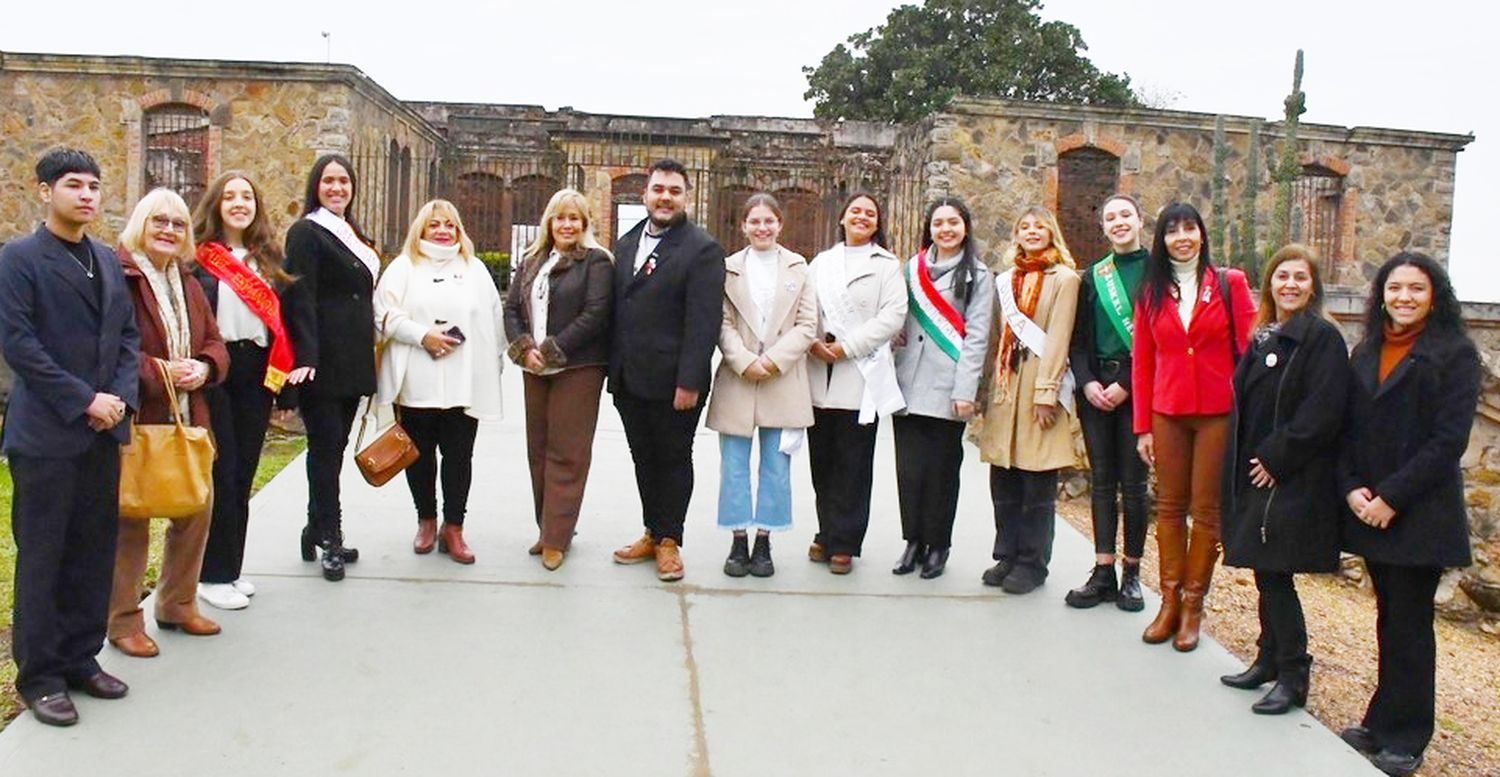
[
  {"x": 770, "y": 320},
  {"x": 1026, "y": 433}
]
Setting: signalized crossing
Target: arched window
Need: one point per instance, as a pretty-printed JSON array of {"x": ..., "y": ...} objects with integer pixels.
[
  {"x": 176, "y": 145},
  {"x": 395, "y": 223},
  {"x": 479, "y": 198},
  {"x": 1317, "y": 200},
  {"x": 729, "y": 200},
  {"x": 528, "y": 199},
  {"x": 1085, "y": 176},
  {"x": 803, "y": 213}
]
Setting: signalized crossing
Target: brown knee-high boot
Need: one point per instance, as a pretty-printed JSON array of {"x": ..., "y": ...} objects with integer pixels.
[
  {"x": 1203, "y": 552},
  {"x": 1171, "y": 545}
]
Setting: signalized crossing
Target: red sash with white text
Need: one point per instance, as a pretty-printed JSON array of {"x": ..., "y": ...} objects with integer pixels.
[{"x": 261, "y": 299}]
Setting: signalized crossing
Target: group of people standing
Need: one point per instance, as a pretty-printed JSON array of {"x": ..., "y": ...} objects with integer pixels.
[{"x": 1253, "y": 417}]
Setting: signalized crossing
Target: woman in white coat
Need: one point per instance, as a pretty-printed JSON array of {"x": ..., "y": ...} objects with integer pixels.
[
  {"x": 861, "y": 306},
  {"x": 439, "y": 313},
  {"x": 770, "y": 320}
]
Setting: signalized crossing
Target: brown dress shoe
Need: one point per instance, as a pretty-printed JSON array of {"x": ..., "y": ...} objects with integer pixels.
[
  {"x": 643, "y": 549},
  {"x": 817, "y": 553},
  {"x": 451, "y": 541},
  {"x": 840, "y": 563},
  {"x": 426, "y": 536},
  {"x": 197, "y": 626},
  {"x": 551, "y": 558},
  {"x": 136, "y": 645},
  {"x": 54, "y": 709},
  {"x": 668, "y": 561},
  {"x": 535, "y": 549}
]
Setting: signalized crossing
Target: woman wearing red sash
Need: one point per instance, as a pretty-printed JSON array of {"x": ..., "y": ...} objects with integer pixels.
[
  {"x": 939, "y": 358},
  {"x": 1024, "y": 432},
  {"x": 1188, "y": 336},
  {"x": 239, "y": 265}
]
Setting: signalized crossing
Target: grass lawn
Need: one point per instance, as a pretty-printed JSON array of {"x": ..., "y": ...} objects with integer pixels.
[{"x": 280, "y": 449}]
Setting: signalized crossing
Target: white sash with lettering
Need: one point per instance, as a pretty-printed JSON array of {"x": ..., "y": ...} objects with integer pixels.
[
  {"x": 345, "y": 233},
  {"x": 882, "y": 395},
  {"x": 1032, "y": 336}
]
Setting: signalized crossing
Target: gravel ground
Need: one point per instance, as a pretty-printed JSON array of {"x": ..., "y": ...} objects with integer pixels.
[{"x": 1341, "y": 634}]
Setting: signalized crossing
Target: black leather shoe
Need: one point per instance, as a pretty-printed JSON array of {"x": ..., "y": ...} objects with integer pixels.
[
  {"x": 1396, "y": 764},
  {"x": 1099, "y": 588},
  {"x": 760, "y": 557},
  {"x": 1130, "y": 599},
  {"x": 1022, "y": 580},
  {"x": 907, "y": 564},
  {"x": 738, "y": 563},
  {"x": 333, "y": 564},
  {"x": 101, "y": 685},
  {"x": 54, "y": 709},
  {"x": 937, "y": 561},
  {"x": 1361, "y": 739},
  {"x": 995, "y": 575},
  {"x": 1283, "y": 696},
  {"x": 1257, "y": 674}
]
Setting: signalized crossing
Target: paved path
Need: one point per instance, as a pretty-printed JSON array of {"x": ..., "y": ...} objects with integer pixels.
[{"x": 418, "y": 666}]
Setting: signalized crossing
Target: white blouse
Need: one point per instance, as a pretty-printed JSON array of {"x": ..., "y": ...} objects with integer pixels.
[{"x": 236, "y": 320}]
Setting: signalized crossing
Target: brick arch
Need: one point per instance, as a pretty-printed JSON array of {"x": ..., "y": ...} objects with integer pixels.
[
  {"x": 1085, "y": 173},
  {"x": 218, "y": 114}
]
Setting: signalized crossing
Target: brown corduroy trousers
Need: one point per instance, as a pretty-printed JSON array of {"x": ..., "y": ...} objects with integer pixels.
[
  {"x": 177, "y": 585},
  {"x": 562, "y": 412}
]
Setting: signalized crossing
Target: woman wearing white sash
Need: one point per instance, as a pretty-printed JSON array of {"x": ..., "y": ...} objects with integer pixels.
[
  {"x": 1025, "y": 432},
  {"x": 939, "y": 359},
  {"x": 861, "y": 306}
]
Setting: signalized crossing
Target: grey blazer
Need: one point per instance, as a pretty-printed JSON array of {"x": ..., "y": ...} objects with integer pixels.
[{"x": 930, "y": 380}]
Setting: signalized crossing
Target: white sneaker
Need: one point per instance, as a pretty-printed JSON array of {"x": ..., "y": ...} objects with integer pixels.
[
  {"x": 223, "y": 596},
  {"x": 244, "y": 586}
]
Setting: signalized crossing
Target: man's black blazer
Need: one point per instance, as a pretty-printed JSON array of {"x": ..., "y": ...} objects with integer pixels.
[
  {"x": 667, "y": 316},
  {"x": 64, "y": 343},
  {"x": 329, "y": 313}
]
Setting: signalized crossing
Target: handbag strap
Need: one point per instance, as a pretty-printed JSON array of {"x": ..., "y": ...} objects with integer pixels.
[
  {"x": 1234, "y": 336},
  {"x": 163, "y": 370}
]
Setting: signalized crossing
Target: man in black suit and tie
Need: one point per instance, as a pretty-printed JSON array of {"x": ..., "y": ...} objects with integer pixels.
[
  {"x": 669, "y": 298},
  {"x": 67, "y": 329}
]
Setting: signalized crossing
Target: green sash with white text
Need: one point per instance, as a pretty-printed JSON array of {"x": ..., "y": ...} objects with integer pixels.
[{"x": 1114, "y": 299}]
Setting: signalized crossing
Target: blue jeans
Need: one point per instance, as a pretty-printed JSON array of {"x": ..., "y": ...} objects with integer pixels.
[{"x": 772, "y": 508}]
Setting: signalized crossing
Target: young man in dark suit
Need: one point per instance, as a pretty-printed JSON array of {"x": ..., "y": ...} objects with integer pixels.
[
  {"x": 669, "y": 297},
  {"x": 67, "y": 329}
]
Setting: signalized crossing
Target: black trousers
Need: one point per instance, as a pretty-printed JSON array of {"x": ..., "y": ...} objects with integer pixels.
[
  {"x": 1401, "y": 714},
  {"x": 1283, "y": 630},
  {"x": 929, "y": 453},
  {"x": 452, "y": 432},
  {"x": 64, "y": 517},
  {"x": 328, "y": 421},
  {"x": 1115, "y": 468},
  {"x": 841, "y": 453},
  {"x": 240, "y": 408},
  {"x": 661, "y": 444},
  {"x": 1025, "y": 516}
]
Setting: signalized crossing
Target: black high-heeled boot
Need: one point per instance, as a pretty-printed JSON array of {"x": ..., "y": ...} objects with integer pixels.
[
  {"x": 1290, "y": 689},
  {"x": 309, "y": 546},
  {"x": 937, "y": 561},
  {"x": 907, "y": 564},
  {"x": 333, "y": 561}
]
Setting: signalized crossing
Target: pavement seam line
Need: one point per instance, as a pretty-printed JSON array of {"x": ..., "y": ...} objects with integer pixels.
[{"x": 699, "y": 761}]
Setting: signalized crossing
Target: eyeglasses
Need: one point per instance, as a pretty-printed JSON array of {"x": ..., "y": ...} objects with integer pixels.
[{"x": 165, "y": 223}]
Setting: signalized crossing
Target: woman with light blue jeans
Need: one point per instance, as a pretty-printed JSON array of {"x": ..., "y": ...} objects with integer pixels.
[{"x": 770, "y": 320}]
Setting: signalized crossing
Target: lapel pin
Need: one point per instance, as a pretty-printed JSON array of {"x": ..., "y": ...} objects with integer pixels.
[{"x": 1270, "y": 360}]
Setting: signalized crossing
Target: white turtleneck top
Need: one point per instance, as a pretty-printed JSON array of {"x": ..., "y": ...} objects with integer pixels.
[{"x": 1187, "y": 287}]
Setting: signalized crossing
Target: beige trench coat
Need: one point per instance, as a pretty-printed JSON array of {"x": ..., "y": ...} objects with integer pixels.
[
  {"x": 738, "y": 406},
  {"x": 1007, "y": 433}
]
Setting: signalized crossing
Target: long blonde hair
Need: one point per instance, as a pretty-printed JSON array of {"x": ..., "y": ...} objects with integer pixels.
[
  {"x": 435, "y": 208},
  {"x": 167, "y": 203},
  {"x": 541, "y": 246},
  {"x": 1049, "y": 221}
]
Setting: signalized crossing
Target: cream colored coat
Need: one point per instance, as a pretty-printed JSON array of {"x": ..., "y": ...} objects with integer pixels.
[
  {"x": 878, "y": 293},
  {"x": 1007, "y": 434},
  {"x": 737, "y": 405}
]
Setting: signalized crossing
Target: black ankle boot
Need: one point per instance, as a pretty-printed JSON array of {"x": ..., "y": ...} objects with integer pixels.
[
  {"x": 760, "y": 557},
  {"x": 1130, "y": 599},
  {"x": 309, "y": 544},
  {"x": 907, "y": 564},
  {"x": 738, "y": 563},
  {"x": 1260, "y": 672},
  {"x": 346, "y": 554},
  {"x": 1289, "y": 691},
  {"x": 937, "y": 561},
  {"x": 333, "y": 564},
  {"x": 1100, "y": 587}
]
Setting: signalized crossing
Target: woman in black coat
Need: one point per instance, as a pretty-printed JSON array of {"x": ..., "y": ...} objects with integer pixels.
[
  {"x": 1281, "y": 502},
  {"x": 1416, "y": 384},
  {"x": 332, "y": 322}
]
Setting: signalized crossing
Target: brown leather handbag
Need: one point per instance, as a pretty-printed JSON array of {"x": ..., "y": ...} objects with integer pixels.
[
  {"x": 167, "y": 470},
  {"x": 390, "y": 452}
]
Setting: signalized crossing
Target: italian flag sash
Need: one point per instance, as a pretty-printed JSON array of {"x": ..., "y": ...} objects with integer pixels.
[
  {"x": 262, "y": 301},
  {"x": 1114, "y": 299},
  {"x": 939, "y": 319}
]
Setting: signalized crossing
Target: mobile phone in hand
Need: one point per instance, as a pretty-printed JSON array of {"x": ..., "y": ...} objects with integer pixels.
[{"x": 455, "y": 333}]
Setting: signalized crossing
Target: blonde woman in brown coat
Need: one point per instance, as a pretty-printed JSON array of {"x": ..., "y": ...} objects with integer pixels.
[
  {"x": 1025, "y": 433},
  {"x": 770, "y": 321}
]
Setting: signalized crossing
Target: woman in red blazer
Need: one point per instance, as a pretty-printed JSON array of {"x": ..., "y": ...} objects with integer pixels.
[{"x": 1188, "y": 337}]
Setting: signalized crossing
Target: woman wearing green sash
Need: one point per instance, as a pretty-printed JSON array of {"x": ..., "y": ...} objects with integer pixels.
[
  {"x": 939, "y": 358},
  {"x": 1102, "y": 336}
]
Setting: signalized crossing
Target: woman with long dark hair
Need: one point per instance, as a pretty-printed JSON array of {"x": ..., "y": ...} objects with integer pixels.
[
  {"x": 1281, "y": 504},
  {"x": 1192, "y": 322},
  {"x": 332, "y": 321},
  {"x": 939, "y": 359},
  {"x": 239, "y": 265},
  {"x": 861, "y": 306},
  {"x": 1411, "y": 406}
]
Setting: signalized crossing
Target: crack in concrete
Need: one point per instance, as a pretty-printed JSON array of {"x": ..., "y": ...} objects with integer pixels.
[{"x": 699, "y": 761}]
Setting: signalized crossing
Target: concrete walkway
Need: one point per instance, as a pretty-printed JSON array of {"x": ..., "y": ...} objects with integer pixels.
[{"x": 416, "y": 665}]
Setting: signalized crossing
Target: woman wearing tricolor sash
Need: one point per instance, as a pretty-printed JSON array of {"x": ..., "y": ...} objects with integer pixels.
[
  {"x": 1102, "y": 337},
  {"x": 939, "y": 359},
  {"x": 239, "y": 265},
  {"x": 1025, "y": 431}
]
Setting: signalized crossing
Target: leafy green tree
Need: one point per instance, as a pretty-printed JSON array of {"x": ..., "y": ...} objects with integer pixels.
[{"x": 923, "y": 55}]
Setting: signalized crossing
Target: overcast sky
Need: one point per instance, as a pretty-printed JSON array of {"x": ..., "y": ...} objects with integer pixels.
[{"x": 1428, "y": 66}]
